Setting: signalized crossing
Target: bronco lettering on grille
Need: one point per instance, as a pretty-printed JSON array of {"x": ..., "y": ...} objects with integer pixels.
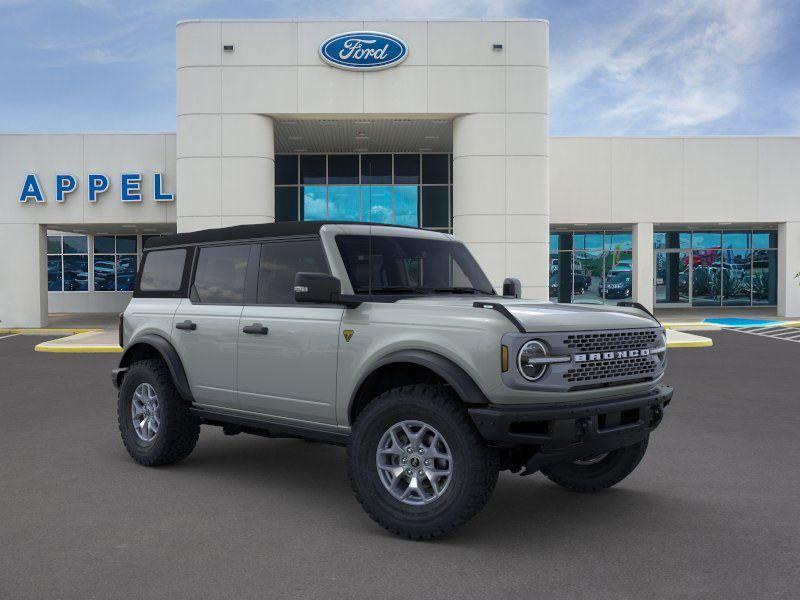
[{"x": 611, "y": 355}]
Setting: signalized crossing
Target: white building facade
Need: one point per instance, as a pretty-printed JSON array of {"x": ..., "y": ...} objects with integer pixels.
[{"x": 450, "y": 133}]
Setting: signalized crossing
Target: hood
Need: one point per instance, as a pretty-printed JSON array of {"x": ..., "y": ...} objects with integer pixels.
[{"x": 542, "y": 315}]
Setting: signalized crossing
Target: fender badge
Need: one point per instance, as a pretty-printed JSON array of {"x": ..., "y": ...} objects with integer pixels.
[{"x": 347, "y": 333}]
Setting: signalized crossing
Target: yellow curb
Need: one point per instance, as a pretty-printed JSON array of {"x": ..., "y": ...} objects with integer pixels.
[
  {"x": 704, "y": 343},
  {"x": 46, "y": 331},
  {"x": 61, "y": 349},
  {"x": 698, "y": 325}
]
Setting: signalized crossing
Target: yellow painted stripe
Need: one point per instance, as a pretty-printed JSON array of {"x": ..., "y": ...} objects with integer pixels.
[
  {"x": 74, "y": 349},
  {"x": 46, "y": 331}
]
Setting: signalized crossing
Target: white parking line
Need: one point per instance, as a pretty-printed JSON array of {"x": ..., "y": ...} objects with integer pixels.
[
  {"x": 2, "y": 337},
  {"x": 789, "y": 334}
]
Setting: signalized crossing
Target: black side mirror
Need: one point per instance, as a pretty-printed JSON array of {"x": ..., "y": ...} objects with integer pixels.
[
  {"x": 512, "y": 287},
  {"x": 317, "y": 287}
]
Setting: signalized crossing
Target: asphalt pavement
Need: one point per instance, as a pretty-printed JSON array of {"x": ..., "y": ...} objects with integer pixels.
[{"x": 713, "y": 511}]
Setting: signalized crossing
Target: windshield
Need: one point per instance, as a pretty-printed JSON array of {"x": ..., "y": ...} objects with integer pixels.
[{"x": 410, "y": 265}]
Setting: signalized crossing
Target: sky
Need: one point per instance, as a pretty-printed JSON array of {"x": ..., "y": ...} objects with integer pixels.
[{"x": 617, "y": 67}]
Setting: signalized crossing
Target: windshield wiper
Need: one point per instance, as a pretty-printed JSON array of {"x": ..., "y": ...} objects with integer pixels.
[
  {"x": 397, "y": 289},
  {"x": 461, "y": 290}
]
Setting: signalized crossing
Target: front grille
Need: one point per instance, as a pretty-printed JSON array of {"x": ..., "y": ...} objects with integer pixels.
[
  {"x": 611, "y": 340},
  {"x": 613, "y": 369}
]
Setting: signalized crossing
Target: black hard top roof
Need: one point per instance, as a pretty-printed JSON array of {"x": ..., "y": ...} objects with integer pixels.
[{"x": 249, "y": 232}]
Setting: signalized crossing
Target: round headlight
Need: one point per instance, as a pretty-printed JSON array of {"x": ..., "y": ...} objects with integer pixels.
[{"x": 526, "y": 360}]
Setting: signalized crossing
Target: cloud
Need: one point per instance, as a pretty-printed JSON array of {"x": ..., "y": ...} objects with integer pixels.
[{"x": 670, "y": 67}]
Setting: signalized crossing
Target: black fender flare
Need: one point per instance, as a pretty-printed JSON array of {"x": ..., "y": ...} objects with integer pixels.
[
  {"x": 168, "y": 354},
  {"x": 454, "y": 375}
]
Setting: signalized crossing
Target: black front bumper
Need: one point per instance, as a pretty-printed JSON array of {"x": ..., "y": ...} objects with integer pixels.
[{"x": 556, "y": 433}]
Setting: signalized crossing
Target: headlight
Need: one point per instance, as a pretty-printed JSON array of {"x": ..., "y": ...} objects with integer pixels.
[{"x": 528, "y": 357}]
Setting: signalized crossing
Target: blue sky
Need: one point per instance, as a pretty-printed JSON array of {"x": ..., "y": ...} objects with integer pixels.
[{"x": 617, "y": 67}]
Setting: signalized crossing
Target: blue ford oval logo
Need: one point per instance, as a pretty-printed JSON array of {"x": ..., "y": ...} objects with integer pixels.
[{"x": 363, "y": 50}]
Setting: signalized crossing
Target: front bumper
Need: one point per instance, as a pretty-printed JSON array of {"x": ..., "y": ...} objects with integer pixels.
[{"x": 558, "y": 433}]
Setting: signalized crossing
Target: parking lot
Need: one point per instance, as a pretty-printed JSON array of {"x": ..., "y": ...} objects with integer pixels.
[{"x": 713, "y": 511}]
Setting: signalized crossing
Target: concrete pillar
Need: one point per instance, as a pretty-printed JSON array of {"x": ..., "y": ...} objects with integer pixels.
[
  {"x": 23, "y": 273},
  {"x": 501, "y": 202},
  {"x": 788, "y": 267},
  {"x": 642, "y": 280},
  {"x": 226, "y": 170}
]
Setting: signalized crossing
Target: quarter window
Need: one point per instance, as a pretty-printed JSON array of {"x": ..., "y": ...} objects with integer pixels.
[
  {"x": 163, "y": 270},
  {"x": 220, "y": 274},
  {"x": 280, "y": 262}
]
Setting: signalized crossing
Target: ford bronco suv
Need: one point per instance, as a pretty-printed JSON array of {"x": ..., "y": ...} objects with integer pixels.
[{"x": 392, "y": 342}]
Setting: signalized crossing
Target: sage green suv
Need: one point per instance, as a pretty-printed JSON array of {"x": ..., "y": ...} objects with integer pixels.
[{"x": 392, "y": 342}]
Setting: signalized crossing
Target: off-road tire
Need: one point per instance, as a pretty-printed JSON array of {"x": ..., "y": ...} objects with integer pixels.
[
  {"x": 595, "y": 477},
  {"x": 178, "y": 430},
  {"x": 475, "y": 465}
]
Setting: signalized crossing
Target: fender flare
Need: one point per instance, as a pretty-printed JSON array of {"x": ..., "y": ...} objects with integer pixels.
[
  {"x": 167, "y": 353},
  {"x": 454, "y": 375}
]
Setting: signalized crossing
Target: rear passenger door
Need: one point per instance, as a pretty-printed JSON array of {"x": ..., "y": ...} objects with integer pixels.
[
  {"x": 206, "y": 325},
  {"x": 288, "y": 351}
]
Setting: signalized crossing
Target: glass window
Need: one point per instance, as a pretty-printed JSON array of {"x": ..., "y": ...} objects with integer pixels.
[
  {"x": 376, "y": 168},
  {"x": 707, "y": 239},
  {"x": 765, "y": 277},
  {"x": 104, "y": 272},
  {"x": 765, "y": 239},
  {"x": 434, "y": 168},
  {"x": 672, "y": 277},
  {"x": 588, "y": 241},
  {"x": 54, "y": 244},
  {"x": 672, "y": 239},
  {"x": 219, "y": 278},
  {"x": 735, "y": 272},
  {"x": 163, "y": 270},
  {"x": 736, "y": 239},
  {"x": 342, "y": 168},
  {"x": 553, "y": 242},
  {"x": 587, "y": 275},
  {"x": 406, "y": 168},
  {"x": 706, "y": 277},
  {"x": 76, "y": 273},
  {"x": 343, "y": 203},
  {"x": 54, "y": 277},
  {"x": 104, "y": 244},
  {"x": 75, "y": 244},
  {"x": 406, "y": 205},
  {"x": 285, "y": 169},
  {"x": 312, "y": 168},
  {"x": 376, "y": 204},
  {"x": 126, "y": 244},
  {"x": 405, "y": 265},
  {"x": 286, "y": 204},
  {"x": 314, "y": 203},
  {"x": 618, "y": 241},
  {"x": 280, "y": 262},
  {"x": 434, "y": 207},
  {"x": 618, "y": 281},
  {"x": 126, "y": 273}
]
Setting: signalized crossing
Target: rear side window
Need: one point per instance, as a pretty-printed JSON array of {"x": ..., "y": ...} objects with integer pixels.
[
  {"x": 220, "y": 274},
  {"x": 163, "y": 270},
  {"x": 280, "y": 262}
]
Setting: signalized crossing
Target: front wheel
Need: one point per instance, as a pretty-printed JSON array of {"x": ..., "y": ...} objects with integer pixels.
[
  {"x": 595, "y": 473},
  {"x": 417, "y": 464}
]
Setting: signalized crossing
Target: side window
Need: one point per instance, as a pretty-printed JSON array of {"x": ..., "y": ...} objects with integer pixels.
[
  {"x": 280, "y": 262},
  {"x": 163, "y": 270},
  {"x": 219, "y": 277}
]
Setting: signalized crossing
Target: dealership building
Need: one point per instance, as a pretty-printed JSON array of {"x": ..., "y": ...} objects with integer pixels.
[{"x": 434, "y": 124}]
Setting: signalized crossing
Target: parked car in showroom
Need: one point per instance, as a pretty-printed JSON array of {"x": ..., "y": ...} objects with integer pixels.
[
  {"x": 390, "y": 341},
  {"x": 617, "y": 285}
]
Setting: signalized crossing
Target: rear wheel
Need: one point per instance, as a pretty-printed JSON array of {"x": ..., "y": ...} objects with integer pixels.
[
  {"x": 598, "y": 472},
  {"x": 417, "y": 464},
  {"x": 156, "y": 425}
]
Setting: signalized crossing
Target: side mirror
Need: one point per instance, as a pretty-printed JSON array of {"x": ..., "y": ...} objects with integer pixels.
[
  {"x": 320, "y": 288},
  {"x": 512, "y": 287}
]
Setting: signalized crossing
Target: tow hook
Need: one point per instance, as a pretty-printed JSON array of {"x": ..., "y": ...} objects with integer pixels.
[
  {"x": 656, "y": 414},
  {"x": 581, "y": 427}
]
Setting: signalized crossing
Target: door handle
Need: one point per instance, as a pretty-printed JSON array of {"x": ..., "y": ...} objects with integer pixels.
[
  {"x": 187, "y": 325},
  {"x": 255, "y": 328}
]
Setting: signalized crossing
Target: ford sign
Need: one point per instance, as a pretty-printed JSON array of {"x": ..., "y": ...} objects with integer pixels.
[{"x": 363, "y": 51}]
